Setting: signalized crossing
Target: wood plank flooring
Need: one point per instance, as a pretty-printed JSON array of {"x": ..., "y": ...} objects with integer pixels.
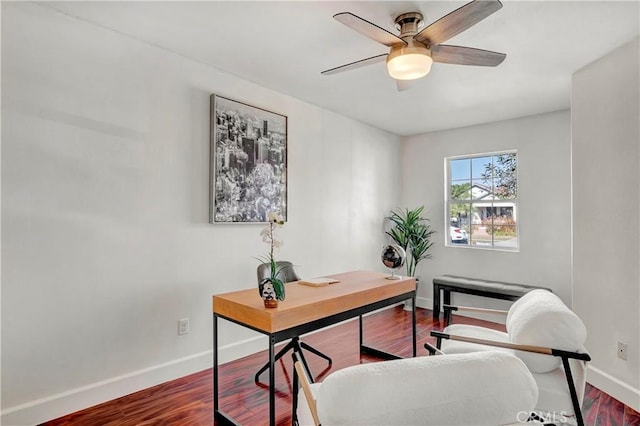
[{"x": 189, "y": 400}]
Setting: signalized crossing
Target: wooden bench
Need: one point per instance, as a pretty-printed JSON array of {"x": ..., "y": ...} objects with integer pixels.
[{"x": 478, "y": 287}]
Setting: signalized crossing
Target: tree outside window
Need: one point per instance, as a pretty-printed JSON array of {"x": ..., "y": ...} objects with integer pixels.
[{"x": 482, "y": 198}]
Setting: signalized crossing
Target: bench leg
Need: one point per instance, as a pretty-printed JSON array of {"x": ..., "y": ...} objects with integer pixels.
[
  {"x": 447, "y": 312},
  {"x": 436, "y": 301},
  {"x": 447, "y": 296}
]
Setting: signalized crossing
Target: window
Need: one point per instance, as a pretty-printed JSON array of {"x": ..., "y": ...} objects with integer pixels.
[{"x": 482, "y": 201}]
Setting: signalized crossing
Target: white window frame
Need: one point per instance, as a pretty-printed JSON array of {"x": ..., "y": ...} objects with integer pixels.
[{"x": 470, "y": 201}]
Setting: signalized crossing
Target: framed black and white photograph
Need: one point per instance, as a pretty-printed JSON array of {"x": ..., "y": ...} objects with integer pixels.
[{"x": 248, "y": 163}]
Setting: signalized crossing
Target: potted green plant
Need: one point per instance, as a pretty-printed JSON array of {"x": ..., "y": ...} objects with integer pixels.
[{"x": 413, "y": 233}]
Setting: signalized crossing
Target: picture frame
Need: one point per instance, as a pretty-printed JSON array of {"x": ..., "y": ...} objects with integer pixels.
[{"x": 248, "y": 170}]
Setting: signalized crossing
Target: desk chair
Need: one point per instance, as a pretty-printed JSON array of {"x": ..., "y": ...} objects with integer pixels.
[{"x": 287, "y": 273}]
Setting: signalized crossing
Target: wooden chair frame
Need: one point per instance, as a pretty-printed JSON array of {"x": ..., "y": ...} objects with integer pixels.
[
  {"x": 302, "y": 378},
  {"x": 564, "y": 355}
]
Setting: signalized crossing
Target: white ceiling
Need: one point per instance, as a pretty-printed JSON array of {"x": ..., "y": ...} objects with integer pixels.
[{"x": 284, "y": 45}]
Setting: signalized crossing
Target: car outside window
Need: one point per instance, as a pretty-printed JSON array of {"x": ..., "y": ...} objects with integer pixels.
[{"x": 482, "y": 201}]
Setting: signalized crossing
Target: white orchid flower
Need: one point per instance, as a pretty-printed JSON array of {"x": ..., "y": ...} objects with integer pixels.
[
  {"x": 269, "y": 237},
  {"x": 276, "y": 218}
]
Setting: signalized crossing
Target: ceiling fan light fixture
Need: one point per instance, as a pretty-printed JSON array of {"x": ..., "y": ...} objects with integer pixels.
[{"x": 409, "y": 63}]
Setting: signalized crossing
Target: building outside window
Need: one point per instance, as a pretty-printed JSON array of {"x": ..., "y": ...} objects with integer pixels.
[{"x": 482, "y": 201}]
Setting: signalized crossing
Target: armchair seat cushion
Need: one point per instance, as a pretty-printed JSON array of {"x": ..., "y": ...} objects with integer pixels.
[
  {"x": 456, "y": 347},
  {"x": 554, "y": 392},
  {"x": 552, "y": 385}
]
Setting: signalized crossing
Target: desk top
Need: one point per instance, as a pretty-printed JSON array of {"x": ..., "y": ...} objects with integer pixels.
[{"x": 304, "y": 304}]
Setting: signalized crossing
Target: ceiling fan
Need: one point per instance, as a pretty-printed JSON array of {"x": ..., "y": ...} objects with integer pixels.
[{"x": 415, "y": 49}]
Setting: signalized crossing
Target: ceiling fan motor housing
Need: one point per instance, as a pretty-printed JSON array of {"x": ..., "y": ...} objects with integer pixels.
[{"x": 409, "y": 24}]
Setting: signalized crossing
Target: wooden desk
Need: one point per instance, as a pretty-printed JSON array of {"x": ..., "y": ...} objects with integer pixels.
[{"x": 307, "y": 309}]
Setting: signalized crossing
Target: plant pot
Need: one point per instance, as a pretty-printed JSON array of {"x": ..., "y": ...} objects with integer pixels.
[{"x": 270, "y": 303}]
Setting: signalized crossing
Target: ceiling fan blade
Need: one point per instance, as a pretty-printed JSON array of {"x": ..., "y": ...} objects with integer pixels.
[
  {"x": 356, "y": 64},
  {"x": 466, "y": 56},
  {"x": 404, "y": 85},
  {"x": 457, "y": 21},
  {"x": 369, "y": 29}
]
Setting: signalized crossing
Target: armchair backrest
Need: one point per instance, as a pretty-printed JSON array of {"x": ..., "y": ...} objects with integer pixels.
[
  {"x": 285, "y": 271},
  {"x": 475, "y": 388},
  {"x": 541, "y": 318}
]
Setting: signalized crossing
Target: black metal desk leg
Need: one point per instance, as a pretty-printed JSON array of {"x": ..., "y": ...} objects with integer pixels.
[
  {"x": 294, "y": 395},
  {"x": 272, "y": 382},
  {"x": 360, "y": 332},
  {"x": 220, "y": 416},
  {"x": 436, "y": 301},
  {"x": 215, "y": 364},
  {"x": 413, "y": 320}
]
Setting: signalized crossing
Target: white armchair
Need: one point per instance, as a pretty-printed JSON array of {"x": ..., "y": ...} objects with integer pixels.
[
  {"x": 547, "y": 336},
  {"x": 483, "y": 388}
]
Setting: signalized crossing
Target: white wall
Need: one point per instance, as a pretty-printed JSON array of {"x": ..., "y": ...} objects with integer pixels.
[
  {"x": 606, "y": 197},
  {"x": 105, "y": 243},
  {"x": 543, "y": 144}
]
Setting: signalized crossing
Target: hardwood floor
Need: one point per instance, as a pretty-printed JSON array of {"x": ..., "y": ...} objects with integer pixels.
[{"x": 189, "y": 400}]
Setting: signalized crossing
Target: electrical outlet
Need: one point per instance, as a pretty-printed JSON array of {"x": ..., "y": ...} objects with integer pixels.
[
  {"x": 184, "y": 326},
  {"x": 622, "y": 350}
]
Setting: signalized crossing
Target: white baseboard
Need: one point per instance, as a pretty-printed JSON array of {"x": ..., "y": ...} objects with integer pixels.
[
  {"x": 621, "y": 391},
  {"x": 424, "y": 302},
  {"x": 58, "y": 405}
]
